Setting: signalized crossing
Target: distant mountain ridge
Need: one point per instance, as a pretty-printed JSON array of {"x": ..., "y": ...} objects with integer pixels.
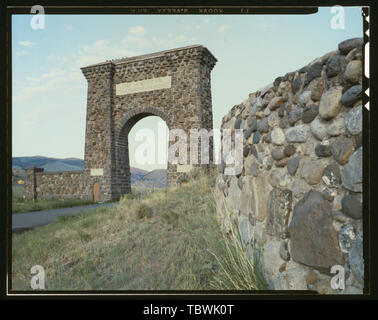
[{"x": 139, "y": 177}]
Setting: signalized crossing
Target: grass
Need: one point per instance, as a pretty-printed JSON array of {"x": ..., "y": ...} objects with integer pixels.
[
  {"x": 164, "y": 240},
  {"x": 21, "y": 205}
]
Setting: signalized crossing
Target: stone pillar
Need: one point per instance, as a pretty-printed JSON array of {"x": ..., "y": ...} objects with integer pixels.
[
  {"x": 99, "y": 138},
  {"x": 30, "y": 191}
]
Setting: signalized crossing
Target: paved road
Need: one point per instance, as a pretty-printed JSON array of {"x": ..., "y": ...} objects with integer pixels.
[{"x": 30, "y": 220}]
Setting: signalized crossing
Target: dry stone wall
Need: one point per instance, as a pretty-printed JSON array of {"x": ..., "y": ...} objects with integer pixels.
[
  {"x": 56, "y": 185},
  {"x": 298, "y": 200}
]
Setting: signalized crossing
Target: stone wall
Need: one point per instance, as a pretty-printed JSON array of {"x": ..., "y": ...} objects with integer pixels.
[
  {"x": 298, "y": 200},
  {"x": 56, "y": 185}
]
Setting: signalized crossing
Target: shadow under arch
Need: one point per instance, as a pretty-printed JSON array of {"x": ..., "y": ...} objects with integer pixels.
[{"x": 122, "y": 183}]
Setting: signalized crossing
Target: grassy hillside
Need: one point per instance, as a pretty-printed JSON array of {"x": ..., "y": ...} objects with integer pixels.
[{"x": 160, "y": 241}]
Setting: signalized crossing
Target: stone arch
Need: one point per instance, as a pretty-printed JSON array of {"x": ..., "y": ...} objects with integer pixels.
[
  {"x": 123, "y": 183},
  {"x": 172, "y": 84}
]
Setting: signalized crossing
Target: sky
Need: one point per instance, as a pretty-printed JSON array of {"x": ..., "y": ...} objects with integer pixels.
[{"x": 49, "y": 92}]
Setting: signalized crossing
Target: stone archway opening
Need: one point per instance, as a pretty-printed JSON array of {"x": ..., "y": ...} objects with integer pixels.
[{"x": 143, "y": 145}]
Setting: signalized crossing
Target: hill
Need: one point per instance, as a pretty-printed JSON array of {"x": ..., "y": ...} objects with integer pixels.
[
  {"x": 139, "y": 177},
  {"x": 162, "y": 240}
]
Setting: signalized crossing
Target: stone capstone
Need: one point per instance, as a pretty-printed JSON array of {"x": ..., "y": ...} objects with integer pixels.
[
  {"x": 351, "y": 96},
  {"x": 314, "y": 71},
  {"x": 348, "y": 45},
  {"x": 335, "y": 65},
  {"x": 353, "y": 71}
]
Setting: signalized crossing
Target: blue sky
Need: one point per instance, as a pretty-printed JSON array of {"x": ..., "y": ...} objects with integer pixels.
[{"x": 50, "y": 92}]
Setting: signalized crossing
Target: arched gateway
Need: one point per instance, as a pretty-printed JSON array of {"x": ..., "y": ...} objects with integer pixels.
[{"x": 172, "y": 84}]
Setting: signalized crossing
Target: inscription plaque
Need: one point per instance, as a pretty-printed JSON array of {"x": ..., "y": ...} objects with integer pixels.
[{"x": 143, "y": 85}]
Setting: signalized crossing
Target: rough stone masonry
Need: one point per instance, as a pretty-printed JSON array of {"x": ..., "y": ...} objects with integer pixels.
[
  {"x": 172, "y": 84},
  {"x": 298, "y": 200}
]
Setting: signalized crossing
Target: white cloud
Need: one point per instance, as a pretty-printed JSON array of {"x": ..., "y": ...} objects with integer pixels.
[
  {"x": 22, "y": 53},
  {"x": 137, "y": 30},
  {"x": 172, "y": 41},
  {"x": 223, "y": 28},
  {"x": 47, "y": 82},
  {"x": 28, "y": 44},
  {"x": 100, "y": 51},
  {"x": 68, "y": 27},
  {"x": 138, "y": 41}
]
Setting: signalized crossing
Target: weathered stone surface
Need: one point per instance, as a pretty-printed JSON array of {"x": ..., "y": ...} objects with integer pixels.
[
  {"x": 335, "y": 65},
  {"x": 246, "y": 150},
  {"x": 317, "y": 91},
  {"x": 305, "y": 98},
  {"x": 331, "y": 175},
  {"x": 275, "y": 103},
  {"x": 347, "y": 45},
  {"x": 296, "y": 84},
  {"x": 259, "y": 192},
  {"x": 336, "y": 127},
  {"x": 278, "y": 136},
  {"x": 353, "y": 120},
  {"x": 268, "y": 137},
  {"x": 342, "y": 149},
  {"x": 297, "y": 134},
  {"x": 294, "y": 116},
  {"x": 358, "y": 141},
  {"x": 356, "y": 260},
  {"x": 289, "y": 150},
  {"x": 310, "y": 113},
  {"x": 263, "y": 126},
  {"x": 256, "y": 137},
  {"x": 232, "y": 200},
  {"x": 284, "y": 251},
  {"x": 319, "y": 128},
  {"x": 351, "y": 96},
  {"x": 323, "y": 150},
  {"x": 353, "y": 71},
  {"x": 346, "y": 238},
  {"x": 313, "y": 239},
  {"x": 328, "y": 194},
  {"x": 245, "y": 229},
  {"x": 314, "y": 71},
  {"x": 330, "y": 103},
  {"x": 282, "y": 163},
  {"x": 351, "y": 206},
  {"x": 278, "y": 154},
  {"x": 253, "y": 151},
  {"x": 280, "y": 206},
  {"x": 351, "y": 175},
  {"x": 312, "y": 171},
  {"x": 354, "y": 54},
  {"x": 284, "y": 123},
  {"x": 282, "y": 110},
  {"x": 292, "y": 164}
]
